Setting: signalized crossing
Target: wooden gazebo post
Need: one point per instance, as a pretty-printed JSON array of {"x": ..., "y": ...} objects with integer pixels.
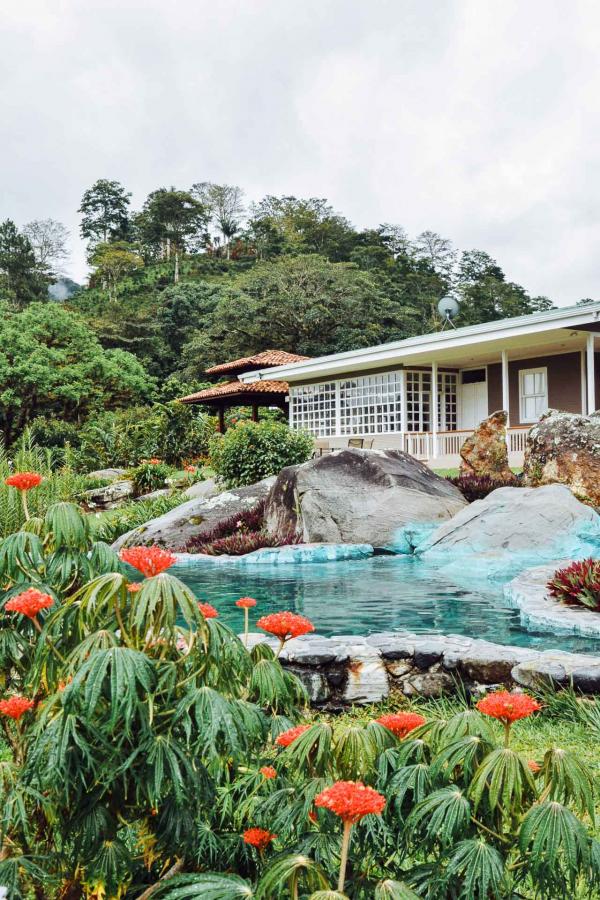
[{"x": 221, "y": 425}]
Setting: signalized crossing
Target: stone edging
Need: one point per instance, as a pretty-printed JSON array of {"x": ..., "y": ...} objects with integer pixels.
[
  {"x": 538, "y": 610},
  {"x": 348, "y": 669}
]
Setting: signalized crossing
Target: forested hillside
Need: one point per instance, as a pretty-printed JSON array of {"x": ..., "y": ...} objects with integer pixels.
[{"x": 198, "y": 276}]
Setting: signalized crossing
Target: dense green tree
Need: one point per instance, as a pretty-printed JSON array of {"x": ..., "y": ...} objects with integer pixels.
[
  {"x": 169, "y": 224},
  {"x": 105, "y": 212},
  {"x": 290, "y": 225},
  {"x": 22, "y": 279},
  {"x": 303, "y": 304},
  {"x": 113, "y": 262},
  {"x": 485, "y": 295},
  {"x": 184, "y": 309},
  {"x": 51, "y": 363}
]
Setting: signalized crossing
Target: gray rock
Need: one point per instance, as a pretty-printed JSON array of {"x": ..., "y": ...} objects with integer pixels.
[
  {"x": 398, "y": 668},
  {"x": 367, "y": 680},
  {"x": 154, "y": 495},
  {"x": 393, "y": 645},
  {"x": 358, "y": 496},
  {"x": 110, "y": 495},
  {"x": 485, "y": 662},
  {"x": 204, "y": 489},
  {"x": 108, "y": 474},
  {"x": 513, "y": 521},
  {"x": 195, "y": 517},
  {"x": 540, "y": 673},
  {"x": 316, "y": 684},
  {"x": 565, "y": 447},
  {"x": 428, "y": 685}
]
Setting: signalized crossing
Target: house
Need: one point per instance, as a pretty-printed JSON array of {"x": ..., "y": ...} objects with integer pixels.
[{"x": 385, "y": 396}]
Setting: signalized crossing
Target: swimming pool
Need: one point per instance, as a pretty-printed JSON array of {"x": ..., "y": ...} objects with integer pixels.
[{"x": 381, "y": 593}]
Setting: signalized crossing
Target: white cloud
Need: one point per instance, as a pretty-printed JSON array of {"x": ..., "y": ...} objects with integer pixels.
[{"x": 478, "y": 120}]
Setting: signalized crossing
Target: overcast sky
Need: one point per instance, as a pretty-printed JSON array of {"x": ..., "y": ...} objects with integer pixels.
[{"x": 479, "y": 119}]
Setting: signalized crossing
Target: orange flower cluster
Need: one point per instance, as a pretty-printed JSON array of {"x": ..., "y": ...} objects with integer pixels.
[
  {"x": 208, "y": 611},
  {"x": 285, "y": 625},
  {"x": 191, "y": 469},
  {"x": 401, "y": 724},
  {"x": 15, "y": 706},
  {"x": 351, "y": 800},
  {"x": 507, "y": 707},
  {"x": 24, "y": 481},
  {"x": 258, "y": 837},
  {"x": 29, "y": 603},
  {"x": 134, "y": 587},
  {"x": 148, "y": 560},
  {"x": 288, "y": 737},
  {"x": 533, "y": 766},
  {"x": 245, "y": 602},
  {"x": 268, "y": 772}
]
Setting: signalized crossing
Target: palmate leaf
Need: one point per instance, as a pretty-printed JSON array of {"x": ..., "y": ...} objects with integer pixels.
[
  {"x": 161, "y": 602},
  {"x": 207, "y": 886},
  {"x": 104, "y": 559},
  {"x": 287, "y": 874},
  {"x": 209, "y": 716},
  {"x": 467, "y": 722},
  {"x": 460, "y": 758},
  {"x": 557, "y": 846},
  {"x": 414, "y": 780},
  {"x": 312, "y": 752},
  {"x": 95, "y": 601},
  {"x": 354, "y": 751},
  {"x": 21, "y": 557},
  {"x": 167, "y": 767},
  {"x": 328, "y": 895},
  {"x": 506, "y": 781},
  {"x": 119, "y": 677},
  {"x": 110, "y": 868},
  {"x": 393, "y": 890},
  {"x": 67, "y": 527},
  {"x": 275, "y": 689},
  {"x": 441, "y": 817},
  {"x": 230, "y": 663},
  {"x": 568, "y": 780},
  {"x": 66, "y": 568},
  {"x": 477, "y": 870}
]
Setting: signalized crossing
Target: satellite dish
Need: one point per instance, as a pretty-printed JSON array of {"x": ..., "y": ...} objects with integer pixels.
[{"x": 448, "y": 309}]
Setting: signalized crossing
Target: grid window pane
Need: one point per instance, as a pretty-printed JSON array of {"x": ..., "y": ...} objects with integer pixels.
[
  {"x": 533, "y": 393},
  {"x": 312, "y": 408},
  {"x": 371, "y": 404}
]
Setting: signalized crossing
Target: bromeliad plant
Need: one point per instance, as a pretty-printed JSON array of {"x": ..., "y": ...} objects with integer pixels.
[{"x": 578, "y": 584}]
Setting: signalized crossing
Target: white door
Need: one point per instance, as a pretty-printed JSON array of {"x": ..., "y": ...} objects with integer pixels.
[{"x": 474, "y": 404}]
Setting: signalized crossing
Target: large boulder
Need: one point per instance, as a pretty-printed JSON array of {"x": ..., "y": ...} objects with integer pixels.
[
  {"x": 358, "y": 497},
  {"x": 195, "y": 517},
  {"x": 485, "y": 453},
  {"x": 512, "y": 529},
  {"x": 109, "y": 495},
  {"x": 565, "y": 447}
]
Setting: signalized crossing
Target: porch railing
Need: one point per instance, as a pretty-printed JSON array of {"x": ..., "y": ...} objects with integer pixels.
[{"x": 421, "y": 444}]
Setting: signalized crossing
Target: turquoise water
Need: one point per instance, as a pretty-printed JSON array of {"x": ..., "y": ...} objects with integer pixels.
[{"x": 382, "y": 593}]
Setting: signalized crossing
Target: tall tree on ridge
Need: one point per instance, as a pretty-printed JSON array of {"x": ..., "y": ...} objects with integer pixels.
[
  {"x": 225, "y": 203},
  {"x": 169, "y": 223},
  {"x": 21, "y": 278},
  {"x": 105, "y": 212}
]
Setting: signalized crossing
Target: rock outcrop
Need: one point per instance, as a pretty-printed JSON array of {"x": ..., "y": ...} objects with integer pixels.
[
  {"x": 565, "y": 447},
  {"x": 195, "y": 517},
  {"x": 485, "y": 453},
  {"x": 108, "y": 474},
  {"x": 513, "y": 528},
  {"x": 110, "y": 495},
  {"x": 358, "y": 496}
]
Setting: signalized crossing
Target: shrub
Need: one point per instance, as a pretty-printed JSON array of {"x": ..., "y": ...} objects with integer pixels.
[
  {"x": 150, "y": 475},
  {"x": 245, "y": 542},
  {"x": 254, "y": 450},
  {"x": 476, "y": 487},
  {"x": 578, "y": 584}
]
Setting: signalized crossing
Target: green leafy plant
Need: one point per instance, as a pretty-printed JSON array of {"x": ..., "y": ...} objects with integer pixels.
[
  {"x": 150, "y": 475},
  {"x": 112, "y": 524},
  {"x": 252, "y": 451}
]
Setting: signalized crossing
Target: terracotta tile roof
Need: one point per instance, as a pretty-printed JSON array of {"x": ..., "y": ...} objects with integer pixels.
[
  {"x": 266, "y": 358},
  {"x": 233, "y": 388}
]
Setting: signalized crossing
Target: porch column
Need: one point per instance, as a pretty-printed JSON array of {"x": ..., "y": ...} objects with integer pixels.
[
  {"x": 434, "y": 410},
  {"x": 221, "y": 425},
  {"x": 591, "y": 375},
  {"x": 505, "y": 387},
  {"x": 254, "y": 412},
  {"x": 403, "y": 416}
]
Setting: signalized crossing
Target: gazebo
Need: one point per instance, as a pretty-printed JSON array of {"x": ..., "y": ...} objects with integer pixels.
[{"x": 237, "y": 393}]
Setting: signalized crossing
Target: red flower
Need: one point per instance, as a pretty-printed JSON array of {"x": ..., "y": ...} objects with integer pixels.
[
  {"x": 351, "y": 800},
  {"x": 29, "y": 603},
  {"x": 285, "y": 625},
  {"x": 288, "y": 737},
  {"x": 258, "y": 837},
  {"x": 148, "y": 560},
  {"x": 134, "y": 587},
  {"x": 24, "y": 481},
  {"x": 15, "y": 706},
  {"x": 245, "y": 603},
  {"x": 401, "y": 723},
  {"x": 208, "y": 611},
  {"x": 268, "y": 772},
  {"x": 507, "y": 707},
  {"x": 190, "y": 468},
  {"x": 533, "y": 766},
  {"x": 154, "y": 461}
]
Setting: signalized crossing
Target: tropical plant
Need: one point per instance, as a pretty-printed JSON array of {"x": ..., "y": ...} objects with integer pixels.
[
  {"x": 254, "y": 450},
  {"x": 578, "y": 584},
  {"x": 150, "y": 475},
  {"x": 476, "y": 487}
]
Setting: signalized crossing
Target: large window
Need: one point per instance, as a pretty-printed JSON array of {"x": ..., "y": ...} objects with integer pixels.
[
  {"x": 371, "y": 404},
  {"x": 312, "y": 407},
  {"x": 533, "y": 393}
]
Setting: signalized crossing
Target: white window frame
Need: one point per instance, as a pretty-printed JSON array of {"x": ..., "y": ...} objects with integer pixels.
[{"x": 538, "y": 370}]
